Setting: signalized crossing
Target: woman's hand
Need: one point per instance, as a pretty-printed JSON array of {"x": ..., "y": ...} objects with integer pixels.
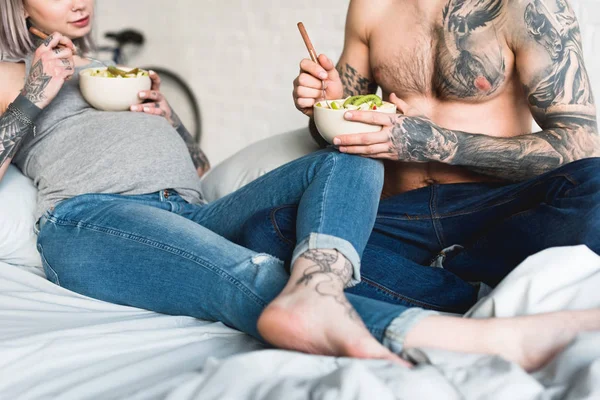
[
  {"x": 50, "y": 68},
  {"x": 155, "y": 103}
]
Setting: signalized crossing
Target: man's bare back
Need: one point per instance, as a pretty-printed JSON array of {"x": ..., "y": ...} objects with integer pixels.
[{"x": 472, "y": 67}]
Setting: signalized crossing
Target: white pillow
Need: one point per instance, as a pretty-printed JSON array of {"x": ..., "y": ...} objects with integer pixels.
[
  {"x": 255, "y": 161},
  {"x": 17, "y": 210}
]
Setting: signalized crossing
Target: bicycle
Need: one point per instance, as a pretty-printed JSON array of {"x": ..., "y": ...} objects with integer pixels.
[{"x": 176, "y": 90}]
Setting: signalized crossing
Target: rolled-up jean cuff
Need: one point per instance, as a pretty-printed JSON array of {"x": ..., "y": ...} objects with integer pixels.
[
  {"x": 396, "y": 332},
  {"x": 321, "y": 241}
]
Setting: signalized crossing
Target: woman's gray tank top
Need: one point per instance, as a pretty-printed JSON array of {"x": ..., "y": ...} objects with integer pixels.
[{"x": 79, "y": 150}]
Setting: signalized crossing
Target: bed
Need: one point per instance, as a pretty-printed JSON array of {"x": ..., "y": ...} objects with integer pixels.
[{"x": 57, "y": 344}]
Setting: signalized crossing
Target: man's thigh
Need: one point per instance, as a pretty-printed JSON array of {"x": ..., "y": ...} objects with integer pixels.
[
  {"x": 396, "y": 262},
  {"x": 512, "y": 222}
]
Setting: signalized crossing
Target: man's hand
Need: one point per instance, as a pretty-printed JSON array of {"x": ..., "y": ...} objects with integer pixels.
[
  {"x": 407, "y": 136},
  {"x": 308, "y": 86},
  {"x": 156, "y": 103}
]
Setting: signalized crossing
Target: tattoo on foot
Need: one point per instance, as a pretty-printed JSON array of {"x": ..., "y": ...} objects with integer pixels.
[{"x": 335, "y": 277}]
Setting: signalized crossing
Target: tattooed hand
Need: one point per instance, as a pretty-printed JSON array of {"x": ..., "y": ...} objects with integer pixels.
[
  {"x": 408, "y": 136},
  {"x": 156, "y": 103},
  {"x": 51, "y": 67},
  {"x": 308, "y": 86}
]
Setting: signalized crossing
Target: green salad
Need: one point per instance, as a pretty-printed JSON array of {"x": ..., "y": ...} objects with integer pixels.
[
  {"x": 361, "y": 102},
  {"x": 114, "y": 72}
]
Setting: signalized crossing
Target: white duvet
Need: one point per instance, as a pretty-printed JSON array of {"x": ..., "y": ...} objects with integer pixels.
[{"x": 57, "y": 344}]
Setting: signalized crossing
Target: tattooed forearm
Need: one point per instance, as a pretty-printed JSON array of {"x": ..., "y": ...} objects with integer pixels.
[
  {"x": 514, "y": 158},
  {"x": 354, "y": 83},
  {"x": 198, "y": 157},
  {"x": 333, "y": 273},
  {"x": 12, "y": 130},
  {"x": 36, "y": 83}
]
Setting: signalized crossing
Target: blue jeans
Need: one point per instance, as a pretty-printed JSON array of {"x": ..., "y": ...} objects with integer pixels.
[
  {"x": 479, "y": 232},
  {"x": 158, "y": 252}
]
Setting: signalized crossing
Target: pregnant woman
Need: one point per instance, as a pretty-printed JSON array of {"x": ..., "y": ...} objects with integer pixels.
[{"x": 122, "y": 219}]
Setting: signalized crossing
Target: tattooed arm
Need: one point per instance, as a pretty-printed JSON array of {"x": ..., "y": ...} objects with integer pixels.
[
  {"x": 198, "y": 157},
  {"x": 353, "y": 72},
  {"x": 549, "y": 62},
  {"x": 51, "y": 66}
]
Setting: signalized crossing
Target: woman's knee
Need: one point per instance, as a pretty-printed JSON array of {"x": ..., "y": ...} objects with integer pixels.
[
  {"x": 271, "y": 231},
  {"x": 367, "y": 170}
]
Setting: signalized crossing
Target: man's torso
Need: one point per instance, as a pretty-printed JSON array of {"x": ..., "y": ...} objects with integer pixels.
[{"x": 437, "y": 56}]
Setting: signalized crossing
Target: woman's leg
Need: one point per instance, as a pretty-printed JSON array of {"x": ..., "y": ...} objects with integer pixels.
[
  {"x": 135, "y": 251},
  {"x": 337, "y": 197}
]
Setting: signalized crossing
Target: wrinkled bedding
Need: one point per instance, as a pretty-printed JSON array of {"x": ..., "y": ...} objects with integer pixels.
[{"x": 58, "y": 344}]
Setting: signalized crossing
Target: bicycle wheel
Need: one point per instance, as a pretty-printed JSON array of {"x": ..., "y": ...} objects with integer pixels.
[{"x": 182, "y": 100}]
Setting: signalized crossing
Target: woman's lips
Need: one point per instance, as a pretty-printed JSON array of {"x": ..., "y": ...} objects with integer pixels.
[{"x": 82, "y": 23}]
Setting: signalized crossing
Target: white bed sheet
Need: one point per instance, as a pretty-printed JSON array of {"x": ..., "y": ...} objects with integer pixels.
[{"x": 57, "y": 344}]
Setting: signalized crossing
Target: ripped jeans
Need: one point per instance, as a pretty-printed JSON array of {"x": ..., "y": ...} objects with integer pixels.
[{"x": 158, "y": 252}]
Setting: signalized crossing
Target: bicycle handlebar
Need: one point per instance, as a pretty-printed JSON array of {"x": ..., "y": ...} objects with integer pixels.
[{"x": 127, "y": 36}]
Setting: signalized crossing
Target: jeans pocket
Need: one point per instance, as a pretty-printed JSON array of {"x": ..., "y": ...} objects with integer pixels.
[{"x": 51, "y": 274}]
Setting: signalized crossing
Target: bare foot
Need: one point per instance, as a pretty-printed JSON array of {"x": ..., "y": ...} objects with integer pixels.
[
  {"x": 312, "y": 313},
  {"x": 533, "y": 341}
]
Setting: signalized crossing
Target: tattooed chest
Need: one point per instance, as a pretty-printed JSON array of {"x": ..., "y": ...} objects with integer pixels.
[{"x": 461, "y": 56}]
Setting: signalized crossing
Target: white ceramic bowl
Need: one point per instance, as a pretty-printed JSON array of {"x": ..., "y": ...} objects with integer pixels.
[
  {"x": 331, "y": 123},
  {"x": 112, "y": 94}
]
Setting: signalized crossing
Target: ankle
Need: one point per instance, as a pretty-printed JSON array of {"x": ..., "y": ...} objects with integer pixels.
[{"x": 322, "y": 263}]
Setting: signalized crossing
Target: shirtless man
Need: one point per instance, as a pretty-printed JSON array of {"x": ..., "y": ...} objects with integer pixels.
[{"x": 467, "y": 182}]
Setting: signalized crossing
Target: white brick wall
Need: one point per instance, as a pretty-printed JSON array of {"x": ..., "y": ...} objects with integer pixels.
[{"x": 240, "y": 56}]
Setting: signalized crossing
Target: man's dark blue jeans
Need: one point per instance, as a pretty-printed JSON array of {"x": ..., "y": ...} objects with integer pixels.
[{"x": 479, "y": 232}]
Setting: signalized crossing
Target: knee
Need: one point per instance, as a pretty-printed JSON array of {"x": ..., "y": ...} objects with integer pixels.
[
  {"x": 367, "y": 170},
  {"x": 584, "y": 175},
  {"x": 271, "y": 231}
]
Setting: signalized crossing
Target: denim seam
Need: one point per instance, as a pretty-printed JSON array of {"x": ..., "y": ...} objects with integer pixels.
[
  {"x": 162, "y": 246},
  {"x": 326, "y": 189},
  {"x": 47, "y": 264},
  {"x": 573, "y": 181},
  {"x": 276, "y": 225},
  {"x": 408, "y": 299},
  {"x": 434, "y": 217}
]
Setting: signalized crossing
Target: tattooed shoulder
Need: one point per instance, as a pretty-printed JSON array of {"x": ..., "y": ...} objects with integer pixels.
[{"x": 562, "y": 84}]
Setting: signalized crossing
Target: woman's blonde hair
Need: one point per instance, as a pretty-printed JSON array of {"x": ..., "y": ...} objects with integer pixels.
[{"x": 15, "y": 40}]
